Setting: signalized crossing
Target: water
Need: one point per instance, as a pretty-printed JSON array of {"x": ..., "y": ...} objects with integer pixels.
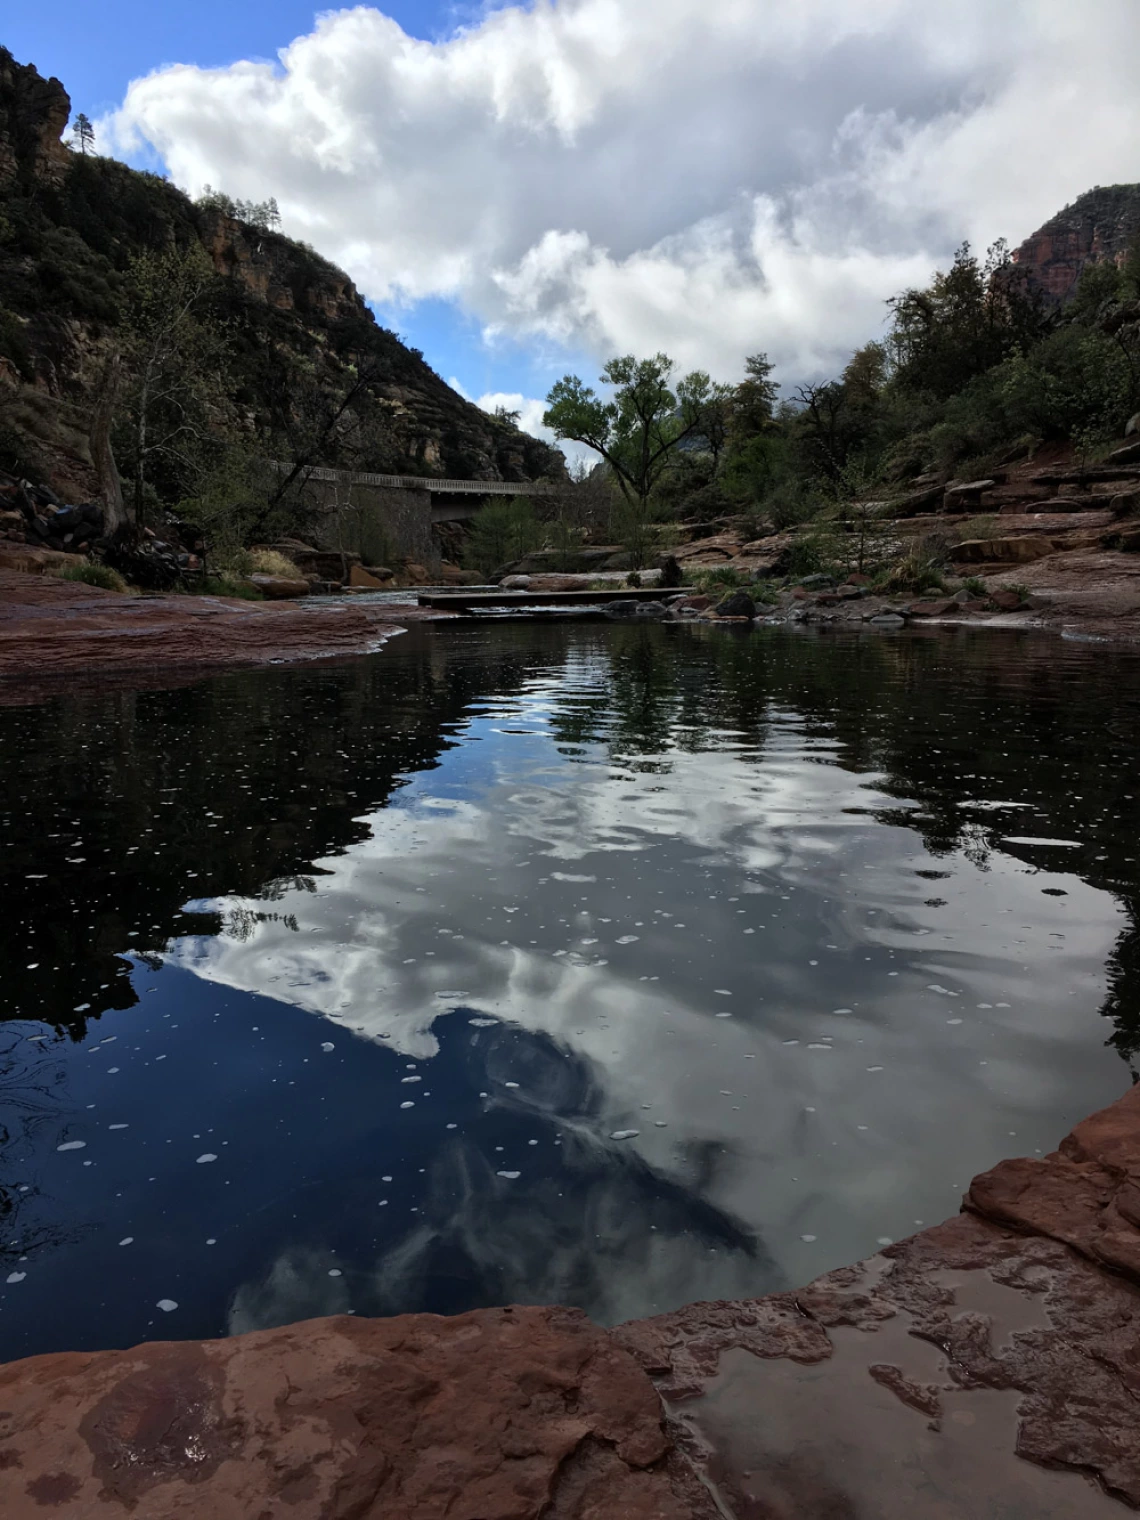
[{"x": 612, "y": 966}]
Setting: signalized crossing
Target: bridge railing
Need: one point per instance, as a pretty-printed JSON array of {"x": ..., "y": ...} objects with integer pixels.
[{"x": 433, "y": 483}]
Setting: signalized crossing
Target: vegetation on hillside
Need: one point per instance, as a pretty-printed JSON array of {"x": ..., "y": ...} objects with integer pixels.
[{"x": 974, "y": 370}]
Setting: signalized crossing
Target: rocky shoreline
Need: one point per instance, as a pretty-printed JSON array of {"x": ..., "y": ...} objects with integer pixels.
[
  {"x": 51, "y": 627},
  {"x": 990, "y": 1365}
]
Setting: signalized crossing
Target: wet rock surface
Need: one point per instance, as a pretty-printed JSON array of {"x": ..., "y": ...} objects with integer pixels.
[
  {"x": 53, "y": 627},
  {"x": 987, "y": 1367}
]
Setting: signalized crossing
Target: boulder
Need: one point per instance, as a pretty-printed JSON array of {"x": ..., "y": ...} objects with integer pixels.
[
  {"x": 957, "y": 498},
  {"x": 34, "y": 560},
  {"x": 738, "y": 604},
  {"x": 887, "y": 620},
  {"x": 940, "y": 608},
  {"x": 280, "y": 588},
  {"x": 1126, "y": 503},
  {"x": 1129, "y": 454},
  {"x": 1010, "y": 551},
  {"x": 1005, "y": 599},
  {"x": 416, "y": 574},
  {"x": 515, "y": 583},
  {"x": 1132, "y": 425},
  {"x": 370, "y": 579},
  {"x": 631, "y": 611}
]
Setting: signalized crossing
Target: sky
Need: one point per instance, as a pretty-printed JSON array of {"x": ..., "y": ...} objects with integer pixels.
[{"x": 526, "y": 190}]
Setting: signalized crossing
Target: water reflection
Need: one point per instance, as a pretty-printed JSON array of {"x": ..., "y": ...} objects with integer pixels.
[{"x": 819, "y": 926}]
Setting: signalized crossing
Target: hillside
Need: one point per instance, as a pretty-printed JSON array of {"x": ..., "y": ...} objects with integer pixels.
[
  {"x": 296, "y": 334},
  {"x": 1100, "y": 226}
]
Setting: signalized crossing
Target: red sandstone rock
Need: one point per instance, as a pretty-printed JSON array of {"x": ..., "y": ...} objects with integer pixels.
[
  {"x": 497, "y": 1415},
  {"x": 50, "y": 626}
]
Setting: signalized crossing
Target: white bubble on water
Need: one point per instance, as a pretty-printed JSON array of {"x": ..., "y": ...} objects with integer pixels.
[
  {"x": 72, "y": 1145},
  {"x": 809, "y": 1239},
  {"x": 327, "y": 1045},
  {"x": 625, "y": 1134},
  {"x": 410, "y": 1079},
  {"x": 208, "y": 1156},
  {"x": 127, "y": 1240},
  {"x": 510, "y": 1084},
  {"x": 15, "y": 1277},
  {"x": 335, "y": 1272},
  {"x": 510, "y": 1176},
  {"x": 167, "y": 1305},
  {"x": 118, "y": 1126},
  {"x": 629, "y": 939}
]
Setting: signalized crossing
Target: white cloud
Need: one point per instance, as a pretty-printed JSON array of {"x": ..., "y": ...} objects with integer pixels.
[
  {"x": 530, "y": 410},
  {"x": 644, "y": 174}
]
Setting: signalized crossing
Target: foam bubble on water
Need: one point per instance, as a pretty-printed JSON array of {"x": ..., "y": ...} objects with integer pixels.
[
  {"x": 624, "y": 1134},
  {"x": 118, "y": 1126},
  {"x": 407, "y": 1105},
  {"x": 874, "y": 1068},
  {"x": 72, "y": 1145},
  {"x": 629, "y": 939},
  {"x": 724, "y": 1015},
  {"x": 327, "y": 1045},
  {"x": 335, "y": 1272},
  {"x": 385, "y": 1179},
  {"x": 953, "y": 1021},
  {"x": 885, "y": 1240},
  {"x": 809, "y": 1239},
  {"x": 15, "y": 1277},
  {"x": 510, "y": 1176},
  {"x": 410, "y": 1079},
  {"x": 127, "y": 1240},
  {"x": 451, "y": 1126},
  {"x": 945, "y": 991},
  {"x": 167, "y": 1305},
  {"x": 722, "y": 992},
  {"x": 843, "y": 1010},
  {"x": 819, "y": 1047},
  {"x": 207, "y": 1156},
  {"x": 510, "y": 1084}
]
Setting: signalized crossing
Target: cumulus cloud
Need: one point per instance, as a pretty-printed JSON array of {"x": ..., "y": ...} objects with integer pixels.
[{"x": 644, "y": 174}]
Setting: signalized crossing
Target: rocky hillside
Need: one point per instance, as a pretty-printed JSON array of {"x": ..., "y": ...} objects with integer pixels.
[
  {"x": 70, "y": 225},
  {"x": 1100, "y": 225}
]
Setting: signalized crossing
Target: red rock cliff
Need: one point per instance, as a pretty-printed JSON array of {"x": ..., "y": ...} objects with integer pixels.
[{"x": 1102, "y": 224}]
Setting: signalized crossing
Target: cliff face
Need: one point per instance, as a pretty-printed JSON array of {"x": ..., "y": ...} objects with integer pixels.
[
  {"x": 1100, "y": 225},
  {"x": 297, "y": 329}
]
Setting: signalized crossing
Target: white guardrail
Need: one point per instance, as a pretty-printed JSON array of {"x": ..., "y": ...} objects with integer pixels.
[{"x": 431, "y": 483}]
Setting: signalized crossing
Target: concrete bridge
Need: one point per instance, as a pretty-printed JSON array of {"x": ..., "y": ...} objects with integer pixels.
[{"x": 381, "y": 517}]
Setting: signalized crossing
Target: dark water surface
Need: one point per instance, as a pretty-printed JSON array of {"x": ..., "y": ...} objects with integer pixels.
[{"x": 611, "y": 966}]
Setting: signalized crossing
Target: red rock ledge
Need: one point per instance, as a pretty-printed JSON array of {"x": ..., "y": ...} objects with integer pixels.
[
  {"x": 987, "y": 1367},
  {"x": 50, "y": 627}
]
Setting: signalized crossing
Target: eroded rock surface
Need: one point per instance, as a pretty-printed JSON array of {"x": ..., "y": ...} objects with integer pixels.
[
  {"x": 500, "y": 1413},
  {"x": 54, "y": 627}
]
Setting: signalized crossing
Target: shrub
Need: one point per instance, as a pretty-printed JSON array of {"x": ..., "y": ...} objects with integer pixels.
[
  {"x": 500, "y": 533},
  {"x": 229, "y": 585},
  {"x": 95, "y": 575},
  {"x": 719, "y": 578},
  {"x": 269, "y": 562}
]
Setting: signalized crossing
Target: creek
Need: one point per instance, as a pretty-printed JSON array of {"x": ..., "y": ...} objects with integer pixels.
[{"x": 611, "y": 966}]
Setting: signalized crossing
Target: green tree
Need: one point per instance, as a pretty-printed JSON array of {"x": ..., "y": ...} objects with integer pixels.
[
  {"x": 84, "y": 134},
  {"x": 172, "y": 357},
  {"x": 636, "y": 431}
]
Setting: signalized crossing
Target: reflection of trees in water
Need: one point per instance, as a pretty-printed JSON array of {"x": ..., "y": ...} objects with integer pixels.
[
  {"x": 29, "y": 1109},
  {"x": 235, "y": 786},
  {"x": 587, "y": 1222}
]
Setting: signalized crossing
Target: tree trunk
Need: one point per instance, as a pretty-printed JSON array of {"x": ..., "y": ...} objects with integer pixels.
[{"x": 106, "y": 471}]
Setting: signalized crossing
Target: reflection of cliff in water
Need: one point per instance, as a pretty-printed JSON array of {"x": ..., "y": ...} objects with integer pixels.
[
  {"x": 123, "y": 807},
  {"x": 581, "y": 1219}
]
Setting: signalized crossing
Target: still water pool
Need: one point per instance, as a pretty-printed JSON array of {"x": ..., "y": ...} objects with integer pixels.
[{"x": 611, "y": 966}]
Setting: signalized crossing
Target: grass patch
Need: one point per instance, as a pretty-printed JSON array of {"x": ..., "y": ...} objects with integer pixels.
[{"x": 96, "y": 575}]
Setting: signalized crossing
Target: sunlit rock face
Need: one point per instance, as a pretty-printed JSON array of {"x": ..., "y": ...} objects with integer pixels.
[{"x": 1099, "y": 226}]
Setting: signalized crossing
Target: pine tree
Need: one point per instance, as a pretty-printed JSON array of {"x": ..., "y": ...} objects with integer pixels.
[{"x": 84, "y": 133}]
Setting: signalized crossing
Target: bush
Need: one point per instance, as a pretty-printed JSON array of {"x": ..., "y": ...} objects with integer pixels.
[
  {"x": 229, "y": 585},
  {"x": 95, "y": 575},
  {"x": 720, "y": 578},
  {"x": 269, "y": 562}
]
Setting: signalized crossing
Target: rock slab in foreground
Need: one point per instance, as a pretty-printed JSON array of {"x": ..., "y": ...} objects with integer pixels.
[
  {"x": 989, "y": 1367},
  {"x": 501, "y": 1413}
]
